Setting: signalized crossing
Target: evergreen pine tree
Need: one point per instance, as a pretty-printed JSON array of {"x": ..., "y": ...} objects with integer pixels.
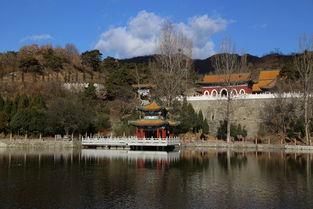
[
  {"x": 184, "y": 118},
  {"x": 8, "y": 107},
  {"x": 38, "y": 102},
  {"x": 23, "y": 102},
  {"x": 4, "y": 122},
  {"x": 221, "y": 131},
  {"x": 200, "y": 120},
  {"x": 205, "y": 127},
  {"x": 1, "y": 103},
  {"x": 192, "y": 118}
]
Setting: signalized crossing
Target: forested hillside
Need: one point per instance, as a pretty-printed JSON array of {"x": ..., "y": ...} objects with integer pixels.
[
  {"x": 33, "y": 63},
  {"x": 33, "y": 99}
]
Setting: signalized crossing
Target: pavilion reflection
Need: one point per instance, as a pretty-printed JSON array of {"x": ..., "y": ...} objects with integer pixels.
[{"x": 142, "y": 159}]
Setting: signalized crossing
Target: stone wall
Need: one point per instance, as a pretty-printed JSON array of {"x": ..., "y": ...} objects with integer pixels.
[{"x": 247, "y": 112}]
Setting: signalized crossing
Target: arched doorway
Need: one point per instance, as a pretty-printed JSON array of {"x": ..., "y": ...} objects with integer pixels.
[
  {"x": 234, "y": 92},
  {"x": 242, "y": 91},
  {"x": 214, "y": 92},
  {"x": 223, "y": 92}
]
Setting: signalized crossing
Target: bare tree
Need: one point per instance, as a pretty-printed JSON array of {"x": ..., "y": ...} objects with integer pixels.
[
  {"x": 280, "y": 116},
  {"x": 138, "y": 83},
  {"x": 172, "y": 63},
  {"x": 304, "y": 66},
  {"x": 71, "y": 51},
  {"x": 228, "y": 64}
]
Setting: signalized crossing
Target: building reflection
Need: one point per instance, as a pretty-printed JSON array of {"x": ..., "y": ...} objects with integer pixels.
[{"x": 142, "y": 159}]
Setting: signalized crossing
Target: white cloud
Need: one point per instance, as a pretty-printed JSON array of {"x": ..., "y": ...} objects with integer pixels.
[
  {"x": 139, "y": 36},
  {"x": 37, "y": 37}
]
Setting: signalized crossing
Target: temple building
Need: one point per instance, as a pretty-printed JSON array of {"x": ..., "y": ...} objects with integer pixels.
[
  {"x": 266, "y": 81},
  {"x": 214, "y": 85},
  {"x": 240, "y": 83},
  {"x": 153, "y": 122}
]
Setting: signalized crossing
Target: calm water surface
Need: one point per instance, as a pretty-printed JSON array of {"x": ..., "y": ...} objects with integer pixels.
[{"x": 133, "y": 179}]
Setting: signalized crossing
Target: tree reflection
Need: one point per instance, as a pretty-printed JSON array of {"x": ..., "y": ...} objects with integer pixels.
[{"x": 231, "y": 160}]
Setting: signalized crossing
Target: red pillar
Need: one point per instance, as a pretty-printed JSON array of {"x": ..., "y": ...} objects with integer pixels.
[
  {"x": 137, "y": 133},
  {"x": 158, "y": 133},
  {"x": 142, "y": 133},
  {"x": 163, "y": 133}
]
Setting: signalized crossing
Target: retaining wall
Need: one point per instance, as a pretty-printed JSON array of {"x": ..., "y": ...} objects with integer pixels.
[{"x": 247, "y": 112}]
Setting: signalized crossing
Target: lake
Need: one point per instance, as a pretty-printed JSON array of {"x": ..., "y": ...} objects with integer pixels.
[{"x": 201, "y": 178}]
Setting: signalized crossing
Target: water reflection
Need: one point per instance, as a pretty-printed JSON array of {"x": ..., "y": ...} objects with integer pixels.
[
  {"x": 143, "y": 159},
  {"x": 138, "y": 179}
]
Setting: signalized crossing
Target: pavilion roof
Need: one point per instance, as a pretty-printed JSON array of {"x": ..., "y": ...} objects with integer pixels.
[
  {"x": 151, "y": 107},
  {"x": 153, "y": 122},
  {"x": 145, "y": 122}
]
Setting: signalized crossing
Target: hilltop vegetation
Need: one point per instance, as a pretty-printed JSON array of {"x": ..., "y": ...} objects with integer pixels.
[
  {"x": 68, "y": 65},
  {"x": 40, "y": 72}
]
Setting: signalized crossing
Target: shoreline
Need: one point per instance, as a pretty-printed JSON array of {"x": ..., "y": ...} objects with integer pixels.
[
  {"x": 37, "y": 143},
  {"x": 216, "y": 145},
  {"x": 247, "y": 146}
]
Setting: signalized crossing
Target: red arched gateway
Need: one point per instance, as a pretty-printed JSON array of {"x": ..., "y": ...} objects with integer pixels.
[
  {"x": 216, "y": 85},
  {"x": 239, "y": 83}
]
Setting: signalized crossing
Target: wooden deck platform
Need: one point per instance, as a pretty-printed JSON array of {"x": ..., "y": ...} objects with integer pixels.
[{"x": 132, "y": 142}]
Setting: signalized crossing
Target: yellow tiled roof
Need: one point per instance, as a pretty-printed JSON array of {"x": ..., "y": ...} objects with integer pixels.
[
  {"x": 240, "y": 77},
  {"x": 144, "y": 122},
  {"x": 267, "y": 80},
  {"x": 173, "y": 123},
  {"x": 256, "y": 87},
  {"x": 148, "y": 122},
  {"x": 269, "y": 74},
  {"x": 153, "y": 106},
  {"x": 269, "y": 85}
]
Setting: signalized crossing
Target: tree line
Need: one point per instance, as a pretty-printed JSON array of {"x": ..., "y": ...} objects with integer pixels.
[{"x": 65, "y": 114}]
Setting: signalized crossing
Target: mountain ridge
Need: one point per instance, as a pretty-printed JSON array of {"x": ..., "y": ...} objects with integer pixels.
[{"x": 205, "y": 66}]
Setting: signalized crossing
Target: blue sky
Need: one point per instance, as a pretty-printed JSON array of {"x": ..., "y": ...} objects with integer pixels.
[{"x": 126, "y": 28}]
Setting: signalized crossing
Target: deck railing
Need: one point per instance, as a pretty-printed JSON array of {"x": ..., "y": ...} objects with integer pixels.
[{"x": 130, "y": 141}]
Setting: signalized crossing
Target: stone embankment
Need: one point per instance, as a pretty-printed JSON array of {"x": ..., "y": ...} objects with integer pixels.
[
  {"x": 36, "y": 143},
  {"x": 248, "y": 146},
  {"x": 247, "y": 111}
]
